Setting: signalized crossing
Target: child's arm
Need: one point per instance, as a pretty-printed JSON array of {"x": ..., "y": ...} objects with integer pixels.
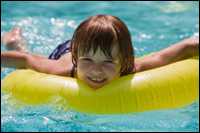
[
  {"x": 13, "y": 59},
  {"x": 179, "y": 51},
  {"x": 42, "y": 64}
]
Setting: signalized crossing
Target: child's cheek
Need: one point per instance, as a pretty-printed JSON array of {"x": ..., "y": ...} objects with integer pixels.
[
  {"x": 83, "y": 69},
  {"x": 111, "y": 69},
  {"x": 84, "y": 66}
]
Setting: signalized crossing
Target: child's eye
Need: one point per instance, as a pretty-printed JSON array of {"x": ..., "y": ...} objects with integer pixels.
[
  {"x": 87, "y": 59},
  {"x": 108, "y": 61}
]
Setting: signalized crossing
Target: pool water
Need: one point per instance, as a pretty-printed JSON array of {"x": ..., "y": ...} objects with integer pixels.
[{"x": 153, "y": 26}]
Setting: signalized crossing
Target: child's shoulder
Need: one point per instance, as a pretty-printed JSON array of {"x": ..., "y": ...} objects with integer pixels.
[
  {"x": 66, "y": 63},
  {"x": 147, "y": 62}
]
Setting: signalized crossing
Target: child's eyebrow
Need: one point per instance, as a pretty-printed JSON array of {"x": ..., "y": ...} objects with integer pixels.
[
  {"x": 114, "y": 60},
  {"x": 84, "y": 57}
]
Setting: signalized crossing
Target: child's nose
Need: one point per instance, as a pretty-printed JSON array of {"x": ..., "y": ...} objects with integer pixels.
[{"x": 96, "y": 70}]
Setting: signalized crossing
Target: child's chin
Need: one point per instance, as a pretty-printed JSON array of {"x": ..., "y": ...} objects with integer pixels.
[{"x": 95, "y": 86}]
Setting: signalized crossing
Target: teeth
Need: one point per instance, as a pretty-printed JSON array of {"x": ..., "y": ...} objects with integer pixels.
[{"x": 97, "y": 79}]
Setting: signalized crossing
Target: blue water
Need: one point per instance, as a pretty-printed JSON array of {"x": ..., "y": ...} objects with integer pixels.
[{"x": 153, "y": 26}]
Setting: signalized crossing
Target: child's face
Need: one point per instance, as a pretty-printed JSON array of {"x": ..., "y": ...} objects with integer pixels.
[{"x": 96, "y": 69}]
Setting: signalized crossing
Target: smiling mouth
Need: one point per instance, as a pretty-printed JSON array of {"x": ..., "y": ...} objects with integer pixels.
[{"x": 96, "y": 80}]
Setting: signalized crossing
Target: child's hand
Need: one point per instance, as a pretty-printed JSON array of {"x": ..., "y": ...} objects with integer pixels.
[
  {"x": 192, "y": 41},
  {"x": 192, "y": 45}
]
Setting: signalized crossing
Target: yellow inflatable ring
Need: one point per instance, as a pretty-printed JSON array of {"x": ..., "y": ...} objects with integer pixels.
[{"x": 171, "y": 86}]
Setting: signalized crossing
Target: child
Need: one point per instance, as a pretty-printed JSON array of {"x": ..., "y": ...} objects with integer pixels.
[{"x": 99, "y": 52}]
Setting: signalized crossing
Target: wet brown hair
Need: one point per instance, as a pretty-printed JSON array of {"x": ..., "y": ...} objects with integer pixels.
[{"x": 104, "y": 31}]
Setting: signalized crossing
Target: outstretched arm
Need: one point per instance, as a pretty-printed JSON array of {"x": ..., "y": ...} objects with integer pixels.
[
  {"x": 24, "y": 60},
  {"x": 184, "y": 49}
]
